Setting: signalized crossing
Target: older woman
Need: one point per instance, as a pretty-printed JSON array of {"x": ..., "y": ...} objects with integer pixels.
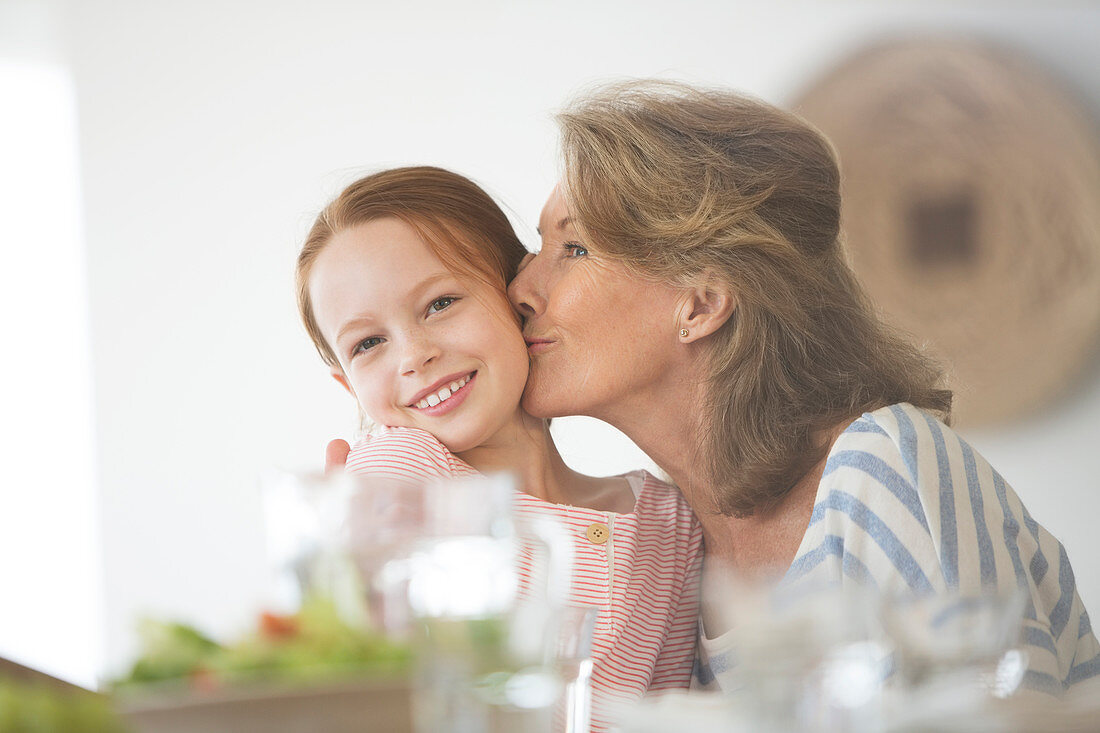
[{"x": 692, "y": 291}]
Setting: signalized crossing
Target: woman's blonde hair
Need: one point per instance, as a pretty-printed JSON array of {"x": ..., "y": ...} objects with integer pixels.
[
  {"x": 682, "y": 184},
  {"x": 459, "y": 222}
]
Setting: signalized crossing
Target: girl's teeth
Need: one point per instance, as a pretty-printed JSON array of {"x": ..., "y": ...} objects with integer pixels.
[{"x": 443, "y": 394}]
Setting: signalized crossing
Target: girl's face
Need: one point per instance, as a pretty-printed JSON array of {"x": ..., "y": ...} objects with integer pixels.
[{"x": 417, "y": 346}]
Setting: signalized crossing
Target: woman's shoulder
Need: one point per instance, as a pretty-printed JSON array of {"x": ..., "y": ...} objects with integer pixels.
[
  {"x": 878, "y": 514},
  {"x": 903, "y": 478},
  {"x": 899, "y": 439},
  {"x": 889, "y": 421},
  {"x": 405, "y": 452},
  {"x": 893, "y": 467},
  {"x": 905, "y": 500}
]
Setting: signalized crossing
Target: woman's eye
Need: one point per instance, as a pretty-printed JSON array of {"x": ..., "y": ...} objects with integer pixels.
[
  {"x": 572, "y": 249},
  {"x": 441, "y": 304},
  {"x": 366, "y": 344}
]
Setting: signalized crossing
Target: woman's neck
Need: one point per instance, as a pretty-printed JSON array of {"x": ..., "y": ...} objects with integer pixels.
[
  {"x": 666, "y": 421},
  {"x": 526, "y": 449},
  {"x": 763, "y": 545}
]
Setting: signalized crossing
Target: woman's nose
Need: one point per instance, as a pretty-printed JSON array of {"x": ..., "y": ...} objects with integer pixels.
[{"x": 525, "y": 290}]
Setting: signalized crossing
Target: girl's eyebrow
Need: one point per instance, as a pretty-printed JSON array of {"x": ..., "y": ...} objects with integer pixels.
[
  {"x": 353, "y": 324},
  {"x": 414, "y": 294},
  {"x": 428, "y": 283}
]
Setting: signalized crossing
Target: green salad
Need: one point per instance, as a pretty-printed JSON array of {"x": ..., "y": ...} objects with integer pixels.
[{"x": 315, "y": 644}]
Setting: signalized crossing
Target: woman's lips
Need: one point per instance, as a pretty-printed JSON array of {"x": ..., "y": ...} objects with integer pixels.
[
  {"x": 538, "y": 346},
  {"x": 451, "y": 403}
]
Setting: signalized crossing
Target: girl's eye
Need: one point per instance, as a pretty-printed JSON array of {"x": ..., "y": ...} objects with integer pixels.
[
  {"x": 366, "y": 344},
  {"x": 440, "y": 304},
  {"x": 572, "y": 249}
]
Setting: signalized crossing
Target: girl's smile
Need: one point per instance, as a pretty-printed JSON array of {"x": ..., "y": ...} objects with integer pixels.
[{"x": 439, "y": 400}]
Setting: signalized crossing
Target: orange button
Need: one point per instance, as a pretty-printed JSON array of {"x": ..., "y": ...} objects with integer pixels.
[{"x": 597, "y": 533}]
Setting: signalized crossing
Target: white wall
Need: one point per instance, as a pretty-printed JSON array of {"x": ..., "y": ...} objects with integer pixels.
[
  {"x": 211, "y": 132},
  {"x": 50, "y": 561}
]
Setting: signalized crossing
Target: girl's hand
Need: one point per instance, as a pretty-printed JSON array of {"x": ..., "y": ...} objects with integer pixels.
[{"x": 336, "y": 456}]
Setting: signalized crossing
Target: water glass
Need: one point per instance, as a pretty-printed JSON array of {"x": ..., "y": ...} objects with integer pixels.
[
  {"x": 304, "y": 517},
  {"x": 446, "y": 565},
  {"x": 487, "y": 588},
  {"x": 957, "y": 641},
  {"x": 572, "y": 657},
  {"x": 805, "y": 661}
]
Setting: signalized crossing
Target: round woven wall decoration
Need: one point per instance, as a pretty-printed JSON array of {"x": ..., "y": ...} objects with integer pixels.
[{"x": 971, "y": 213}]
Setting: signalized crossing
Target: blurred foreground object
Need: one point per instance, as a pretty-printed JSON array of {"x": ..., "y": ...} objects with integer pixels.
[
  {"x": 32, "y": 702},
  {"x": 370, "y": 706},
  {"x": 448, "y": 566},
  {"x": 971, "y": 212},
  {"x": 498, "y": 650},
  {"x": 314, "y": 644},
  {"x": 711, "y": 713},
  {"x": 306, "y": 671},
  {"x": 427, "y": 606},
  {"x": 859, "y": 660}
]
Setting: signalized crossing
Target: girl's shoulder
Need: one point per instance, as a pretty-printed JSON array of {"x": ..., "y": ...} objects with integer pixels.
[
  {"x": 405, "y": 453},
  {"x": 399, "y": 436},
  {"x": 654, "y": 494},
  {"x": 642, "y": 481}
]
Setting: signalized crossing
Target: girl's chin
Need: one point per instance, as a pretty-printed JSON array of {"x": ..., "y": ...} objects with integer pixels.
[
  {"x": 457, "y": 438},
  {"x": 458, "y": 445},
  {"x": 461, "y": 441}
]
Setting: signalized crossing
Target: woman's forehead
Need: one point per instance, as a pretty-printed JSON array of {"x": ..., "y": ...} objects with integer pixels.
[{"x": 555, "y": 215}]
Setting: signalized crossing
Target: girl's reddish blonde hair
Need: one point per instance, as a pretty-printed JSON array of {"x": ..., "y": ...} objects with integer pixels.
[{"x": 459, "y": 222}]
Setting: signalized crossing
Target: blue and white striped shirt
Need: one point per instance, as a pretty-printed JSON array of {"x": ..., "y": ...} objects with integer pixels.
[{"x": 905, "y": 504}]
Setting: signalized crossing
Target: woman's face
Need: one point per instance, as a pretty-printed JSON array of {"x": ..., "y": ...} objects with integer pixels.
[
  {"x": 417, "y": 346},
  {"x": 600, "y": 338}
]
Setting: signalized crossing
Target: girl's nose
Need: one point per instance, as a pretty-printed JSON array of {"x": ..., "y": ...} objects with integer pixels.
[{"x": 417, "y": 353}]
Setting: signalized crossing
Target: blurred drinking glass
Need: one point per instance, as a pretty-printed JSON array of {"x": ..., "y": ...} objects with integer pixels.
[
  {"x": 956, "y": 647},
  {"x": 573, "y": 659},
  {"x": 449, "y": 564},
  {"x": 488, "y": 588},
  {"x": 802, "y": 660},
  {"x": 304, "y": 517}
]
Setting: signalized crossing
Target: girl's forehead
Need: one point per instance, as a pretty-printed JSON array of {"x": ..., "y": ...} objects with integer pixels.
[
  {"x": 386, "y": 247},
  {"x": 372, "y": 265},
  {"x": 389, "y": 237}
]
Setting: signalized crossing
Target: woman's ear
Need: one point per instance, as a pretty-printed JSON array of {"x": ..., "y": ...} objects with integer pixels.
[
  {"x": 704, "y": 309},
  {"x": 338, "y": 375}
]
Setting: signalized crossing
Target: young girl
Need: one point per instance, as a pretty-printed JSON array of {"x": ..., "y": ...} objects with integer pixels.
[{"x": 401, "y": 285}]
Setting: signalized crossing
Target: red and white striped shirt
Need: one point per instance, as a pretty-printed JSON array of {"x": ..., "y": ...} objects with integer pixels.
[{"x": 640, "y": 570}]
